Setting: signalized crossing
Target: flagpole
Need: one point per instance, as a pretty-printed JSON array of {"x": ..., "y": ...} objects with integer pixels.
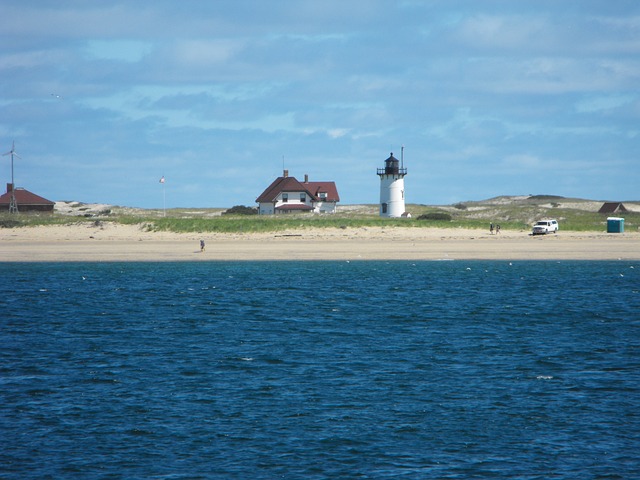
[{"x": 164, "y": 198}]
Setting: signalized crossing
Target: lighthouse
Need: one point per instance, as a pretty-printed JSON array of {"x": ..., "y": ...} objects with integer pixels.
[{"x": 392, "y": 187}]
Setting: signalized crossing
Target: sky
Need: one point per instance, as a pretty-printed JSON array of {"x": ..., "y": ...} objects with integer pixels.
[{"x": 488, "y": 98}]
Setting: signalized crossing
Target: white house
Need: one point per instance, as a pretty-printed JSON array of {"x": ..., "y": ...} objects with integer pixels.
[{"x": 288, "y": 195}]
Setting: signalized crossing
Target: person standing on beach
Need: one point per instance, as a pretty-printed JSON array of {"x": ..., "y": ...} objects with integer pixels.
[
  {"x": 491, "y": 228},
  {"x": 201, "y": 245}
]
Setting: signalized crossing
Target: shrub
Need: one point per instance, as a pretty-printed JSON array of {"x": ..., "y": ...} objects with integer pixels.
[
  {"x": 460, "y": 206},
  {"x": 241, "y": 210},
  {"x": 545, "y": 197},
  {"x": 435, "y": 216},
  {"x": 9, "y": 224}
]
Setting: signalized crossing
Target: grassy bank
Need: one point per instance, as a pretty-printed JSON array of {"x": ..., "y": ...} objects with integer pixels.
[
  {"x": 569, "y": 221},
  {"x": 511, "y": 213}
]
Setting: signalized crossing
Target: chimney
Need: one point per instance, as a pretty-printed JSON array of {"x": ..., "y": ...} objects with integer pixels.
[
  {"x": 285, "y": 174},
  {"x": 9, "y": 187},
  {"x": 306, "y": 178}
]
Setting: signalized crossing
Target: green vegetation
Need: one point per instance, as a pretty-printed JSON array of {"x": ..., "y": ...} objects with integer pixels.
[
  {"x": 32, "y": 220},
  {"x": 271, "y": 223},
  {"x": 511, "y": 213},
  {"x": 241, "y": 210},
  {"x": 436, "y": 216}
]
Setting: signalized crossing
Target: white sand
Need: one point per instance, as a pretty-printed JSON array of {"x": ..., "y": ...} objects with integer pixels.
[{"x": 117, "y": 242}]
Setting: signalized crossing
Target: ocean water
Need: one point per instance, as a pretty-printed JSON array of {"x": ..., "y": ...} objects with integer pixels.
[{"x": 320, "y": 370}]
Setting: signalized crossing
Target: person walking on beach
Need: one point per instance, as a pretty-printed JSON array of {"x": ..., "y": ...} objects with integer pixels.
[
  {"x": 491, "y": 228},
  {"x": 497, "y": 229},
  {"x": 202, "y": 245}
]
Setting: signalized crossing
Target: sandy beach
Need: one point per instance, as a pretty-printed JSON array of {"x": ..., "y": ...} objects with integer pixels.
[{"x": 111, "y": 242}]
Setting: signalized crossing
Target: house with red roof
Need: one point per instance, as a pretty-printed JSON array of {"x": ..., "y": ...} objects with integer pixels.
[
  {"x": 288, "y": 195},
  {"x": 25, "y": 200}
]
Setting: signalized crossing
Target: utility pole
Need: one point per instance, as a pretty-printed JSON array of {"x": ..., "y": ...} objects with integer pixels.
[{"x": 13, "y": 204}]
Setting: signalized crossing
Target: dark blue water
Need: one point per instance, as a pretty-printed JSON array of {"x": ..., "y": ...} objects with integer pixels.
[{"x": 319, "y": 370}]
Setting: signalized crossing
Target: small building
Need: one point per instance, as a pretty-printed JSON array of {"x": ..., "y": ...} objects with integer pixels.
[
  {"x": 612, "y": 207},
  {"x": 25, "y": 200},
  {"x": 615, "y": 225},
  {"x": 288, "y": 195}
]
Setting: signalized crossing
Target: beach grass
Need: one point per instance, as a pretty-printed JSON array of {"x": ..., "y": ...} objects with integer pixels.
[{"x": 510, "y": 214}]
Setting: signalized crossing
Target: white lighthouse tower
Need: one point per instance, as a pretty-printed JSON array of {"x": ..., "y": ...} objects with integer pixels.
[{"x": 392, "y": 187}]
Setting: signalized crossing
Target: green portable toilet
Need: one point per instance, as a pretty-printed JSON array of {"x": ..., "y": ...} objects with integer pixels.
[{"x": 615, "y": 225}]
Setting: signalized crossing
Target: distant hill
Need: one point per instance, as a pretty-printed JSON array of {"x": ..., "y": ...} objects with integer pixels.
[
  {"x": 510, "y": 211},
  {"x": 572, "y": 213}
]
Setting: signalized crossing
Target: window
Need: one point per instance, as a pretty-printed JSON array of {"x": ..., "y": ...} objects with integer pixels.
[
  {"x": 285, "y": 197},
  {"x": 303, "y": 198},
  {"x": 384, "y": 208},
  {"x": 323, "y": 196}
]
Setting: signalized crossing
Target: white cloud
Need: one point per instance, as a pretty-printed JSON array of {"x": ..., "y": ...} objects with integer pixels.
[
  {"x": 498, "y": 32},
  {"x": 189, "y": 53},
  {"x": 337, "y": 132}
]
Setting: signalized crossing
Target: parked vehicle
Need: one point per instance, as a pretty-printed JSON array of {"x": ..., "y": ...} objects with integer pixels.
[{"x": 542, "y": 227}]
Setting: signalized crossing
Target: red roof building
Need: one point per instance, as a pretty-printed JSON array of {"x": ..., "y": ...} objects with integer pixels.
[
  {"x": 612, "y": 207},
  {"x": 26, "y": 201},
  {"x": 288, "y": 195}
]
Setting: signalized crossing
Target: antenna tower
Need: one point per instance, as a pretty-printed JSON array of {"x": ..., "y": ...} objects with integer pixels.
[{"x": 13, "y": 204}]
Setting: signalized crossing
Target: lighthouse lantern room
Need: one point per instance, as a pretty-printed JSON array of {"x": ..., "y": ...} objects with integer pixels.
[{"x": 392, "y": 187}]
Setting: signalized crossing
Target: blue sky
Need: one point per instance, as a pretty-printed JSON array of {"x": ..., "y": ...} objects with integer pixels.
[{"x": 488, "y": 97}]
